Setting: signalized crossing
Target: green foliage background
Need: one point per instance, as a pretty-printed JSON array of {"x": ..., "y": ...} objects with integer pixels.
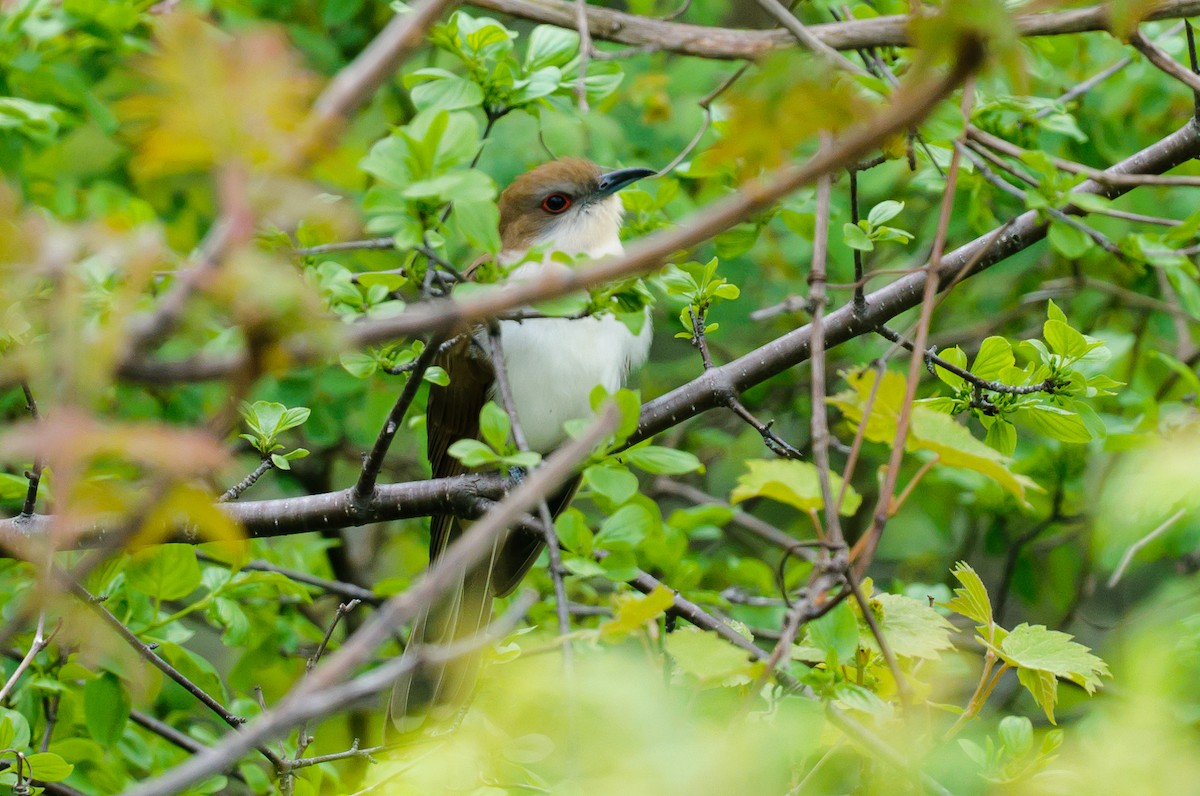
[{"x": 125, "y": 129}]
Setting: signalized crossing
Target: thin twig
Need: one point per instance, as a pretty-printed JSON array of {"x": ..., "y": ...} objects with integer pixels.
[
  {"x": 35, "y": 474},
  {"x": 39, "y": 643},
  {"x": 373, "y": 461},
  {"x": 1137, "y": 546},
  {"x": 880, "y": 516},
  {"x": 235, "y": 491}
]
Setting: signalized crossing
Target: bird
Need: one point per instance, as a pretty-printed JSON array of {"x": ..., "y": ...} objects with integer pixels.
[{"x": 566, "y": 206}]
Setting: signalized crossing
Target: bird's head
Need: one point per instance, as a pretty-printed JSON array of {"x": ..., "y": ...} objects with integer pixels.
[{"x": 570, "y": 205}]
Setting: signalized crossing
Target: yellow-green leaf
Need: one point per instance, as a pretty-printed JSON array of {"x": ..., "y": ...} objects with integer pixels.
[
  {"x": 794, "y": 483},
  {"x": 634, "y": 612}
]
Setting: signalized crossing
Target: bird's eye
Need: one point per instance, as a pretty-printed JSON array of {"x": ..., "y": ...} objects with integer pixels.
[{"x": 556, "y": 203}]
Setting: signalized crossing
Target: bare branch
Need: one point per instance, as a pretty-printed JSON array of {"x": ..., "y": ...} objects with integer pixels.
[{"x": 737, "y": 44}]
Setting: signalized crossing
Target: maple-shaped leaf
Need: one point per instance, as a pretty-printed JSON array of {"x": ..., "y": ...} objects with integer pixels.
[
  {"x": 1036, "y": 647},
  {"x": 911, "y": 628},
  {"x": 971, "y": 600}
]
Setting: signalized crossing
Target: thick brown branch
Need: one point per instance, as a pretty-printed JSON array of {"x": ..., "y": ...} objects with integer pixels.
[{"x": 733, "y": 43}]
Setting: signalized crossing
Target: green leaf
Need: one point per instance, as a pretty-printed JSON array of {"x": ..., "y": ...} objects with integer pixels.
[
  {"x": 1002, "y": 435},
  {"x": 662, "y": 461},
  {"x": 615, "y": 483},
  {"x": 911, "y": 627},
  {"x": 229, "y": 615},
  {"x": 995, "y": 354},
  {"x": 573, "y": 532},
  {"x": 388, "y": 281},
  {"x": 1063, "y": 340},
  {"x": 166, "y": 572},
  {"x": 1069, "y": 241},
  {"x": 448, "y": 93},
  {"x": 1036, "y": 647},
  {"x": 550, "y": 45},
  {"x": 836, "y": 634},
  {"x": 710, "y": 659},
  {"x": 49, "y": 767},
  {"x": 625, "y": 528},
  {"x": 955, "y": 356},
  {"x": 971, "y": 599},
  {"x": 884, "y": 212},
  {"x": 854, "y": 237},
  {"x": 13, "y": 487},
  {"x": 1053, "y": 422},
  {"x": 478, "y": 223},
  {"x": 1043, "y": 686},
  {"x": 436, "y": 375},
  {"x": 633, "y": 612},
  {"x": 956, "y": 447},
  {"x": 791, "y": 482},
  {"x": 1016, "y": 733},
  {"x": 472, "y": 453},
  {"x": 358, "y": 364},
  {"x": 14, "y": 730},
  {"x": 495, "y": 426},
  {"x": 105, "y": 708}
]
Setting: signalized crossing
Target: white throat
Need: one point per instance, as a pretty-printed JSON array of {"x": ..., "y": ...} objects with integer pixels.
[{"x": 553, "y": 364}]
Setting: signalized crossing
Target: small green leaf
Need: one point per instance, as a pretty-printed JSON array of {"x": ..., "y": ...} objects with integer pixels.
[
  {"x": 49, "y": 767},
  {"x": 971, "y": 600},
  {"x": 854, "y": 237},
  {"x": 955, "y": 356},
  {"x": 436, "y": 375},
  {"x": 995, "y": 354},
  {"x": 473, "y": 453},
  {"x": 1069, "y": 241},
  {"x": 836, "y": 633},
  {"x": 495, "y": 426},
  {"x": 14, "y": 730},
  {"x": 105, "y": 708},
  {"x": 1053, "y": 422},
  {"x": 572, "y": 530},
  {"x": 1043, "y": 686},
  {"x": 662, "y": 461},
  {"x": 633, "y": 612},
  {"x": 615, "y": 483},
  {"x": 1063, "y": 340},
  {"x": 794, "y": 483},
  {"x": 625, "y": 528},
  {"x": 1002, "y": 435},
  {"x": 1016, "y": 733},
  {"x": 884, "y": 212},
  {"x": 358, "y": 364}
]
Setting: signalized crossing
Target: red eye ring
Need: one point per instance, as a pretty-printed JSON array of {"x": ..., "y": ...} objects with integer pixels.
[{"x": 556, "y": 203}]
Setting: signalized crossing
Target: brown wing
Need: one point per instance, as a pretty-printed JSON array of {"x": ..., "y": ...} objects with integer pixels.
[{"x": 453, "y": 414}]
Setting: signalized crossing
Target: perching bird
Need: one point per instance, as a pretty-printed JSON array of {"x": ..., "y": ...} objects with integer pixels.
[{"x": 553, "y": 364}]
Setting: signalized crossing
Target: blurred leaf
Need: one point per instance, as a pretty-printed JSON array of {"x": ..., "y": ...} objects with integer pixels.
[
  {"x": 794, "y": 483},
  {"x": 634, "y": 611}
]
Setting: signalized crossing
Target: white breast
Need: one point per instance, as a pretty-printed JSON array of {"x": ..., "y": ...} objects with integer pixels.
[{"x": 553, "y": 364}]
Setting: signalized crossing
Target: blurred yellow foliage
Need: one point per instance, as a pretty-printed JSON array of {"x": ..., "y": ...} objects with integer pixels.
[{"x": 213, "y": 98}]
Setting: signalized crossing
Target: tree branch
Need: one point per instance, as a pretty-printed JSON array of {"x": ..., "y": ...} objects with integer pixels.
[{"x": 735, "y": 44}]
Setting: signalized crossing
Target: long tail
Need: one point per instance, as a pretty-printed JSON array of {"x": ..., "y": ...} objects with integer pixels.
[{"x": 437, "y": 691}]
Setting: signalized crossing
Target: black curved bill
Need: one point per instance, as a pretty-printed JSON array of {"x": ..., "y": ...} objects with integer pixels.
[{"x": 614, "y": 181}]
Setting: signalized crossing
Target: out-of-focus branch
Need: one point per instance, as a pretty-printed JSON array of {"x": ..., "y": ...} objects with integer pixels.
[
  {"x": 733, "y": 44},
  {"x": 324, "y": 688}
]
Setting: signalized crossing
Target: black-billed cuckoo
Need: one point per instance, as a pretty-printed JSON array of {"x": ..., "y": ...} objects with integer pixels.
[{"x": 553, "y": 364}]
